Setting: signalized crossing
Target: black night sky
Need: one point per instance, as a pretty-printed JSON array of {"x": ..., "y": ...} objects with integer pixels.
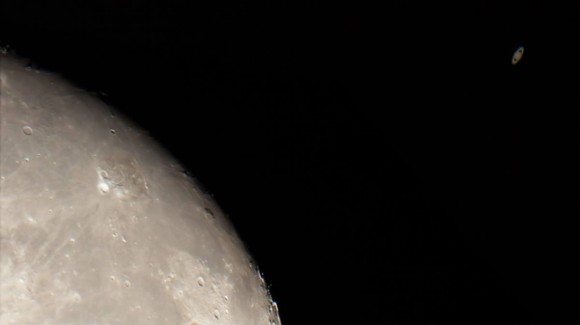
[{"x": 384, "y": 164}]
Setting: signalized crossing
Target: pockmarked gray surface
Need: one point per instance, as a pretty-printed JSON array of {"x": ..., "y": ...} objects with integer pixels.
[{"x": 100, "y": 225}]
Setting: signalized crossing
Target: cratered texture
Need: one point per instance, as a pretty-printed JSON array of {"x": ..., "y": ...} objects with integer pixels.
[{"x": 100, "y": 225}]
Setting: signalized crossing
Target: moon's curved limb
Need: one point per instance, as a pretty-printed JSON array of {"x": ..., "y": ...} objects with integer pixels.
[{"x": 102, "y": 227}]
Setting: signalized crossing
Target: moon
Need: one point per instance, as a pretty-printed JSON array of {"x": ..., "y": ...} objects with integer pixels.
[{"x": 100, "y": 225}]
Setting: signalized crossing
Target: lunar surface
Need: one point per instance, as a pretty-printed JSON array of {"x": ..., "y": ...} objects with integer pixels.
[{"x": 100, "y": 225}]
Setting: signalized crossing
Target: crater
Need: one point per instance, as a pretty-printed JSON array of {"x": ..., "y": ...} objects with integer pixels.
[{"x": 120, "y": 175}]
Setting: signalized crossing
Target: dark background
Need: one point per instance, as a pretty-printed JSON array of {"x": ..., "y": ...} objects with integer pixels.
[{"x": 384, "y": 164}]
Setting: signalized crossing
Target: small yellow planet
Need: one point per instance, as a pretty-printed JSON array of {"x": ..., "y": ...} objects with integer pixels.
[{"x": 517, "y": 55}]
